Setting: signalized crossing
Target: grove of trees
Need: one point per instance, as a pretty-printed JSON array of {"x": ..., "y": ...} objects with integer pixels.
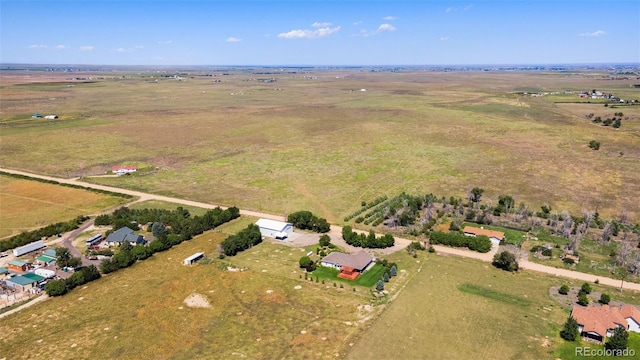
[
  {"x": 305, "y": 220},
  {"x": 47, "y": 231},
  {"x": 366, "y": 241},
  {"x": 243, "y": 240},
  {"x": 479, "y": 243}
]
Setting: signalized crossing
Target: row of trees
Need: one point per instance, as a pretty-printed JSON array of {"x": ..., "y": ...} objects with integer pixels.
[
  {"x": 367, "y": 241},
  {"x": 49, "y": 230},
  {"x": 126, "y": 256},
  {"x": 479, "y": 243},
  {"x": 81, "y": 276},
  {"x": 305, "y": 220},
  {"x": 243, "y": 240},
  {"x": 179, "y": 221}
]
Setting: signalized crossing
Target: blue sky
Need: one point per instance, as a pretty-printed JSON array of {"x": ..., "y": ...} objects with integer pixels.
[{"x": 319, "y": 32}]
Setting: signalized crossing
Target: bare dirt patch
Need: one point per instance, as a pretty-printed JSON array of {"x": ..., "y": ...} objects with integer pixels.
[{"x": 197, "y": 301}]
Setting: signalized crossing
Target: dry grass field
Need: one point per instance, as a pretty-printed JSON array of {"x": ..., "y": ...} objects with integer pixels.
[
  {"x": 140, "y": 312},
  {"x": 26, "y": 204},
  {"x": 313, "y": 140},
  {"x": 457, "y": 308}
]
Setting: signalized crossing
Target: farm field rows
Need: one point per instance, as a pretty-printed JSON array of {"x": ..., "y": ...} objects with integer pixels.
[{"x": 313, "y": 140}]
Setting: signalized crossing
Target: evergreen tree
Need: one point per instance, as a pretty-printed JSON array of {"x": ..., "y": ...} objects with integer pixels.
[
  {"x": 570, "y": 331},
  {"x": 385, "y": 277},
  {"x": 564, "y": 289},
  {"x": 619, "y": 340},
  {"x": 393, "y": 271},
  {"x": 379, "y": 285}
]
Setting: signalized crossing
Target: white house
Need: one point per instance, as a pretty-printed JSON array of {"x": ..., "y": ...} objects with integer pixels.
[
  {"x": 274, "y": 229},
  {"x": 495, "y": 236}
]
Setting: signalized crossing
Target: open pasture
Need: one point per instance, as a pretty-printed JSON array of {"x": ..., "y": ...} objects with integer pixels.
[
  {"x": 140, "y": 313},
  {"x": 26, "y": 204},
  {"x": 457, "y": 308},
  {"x": 313, "y": 140}
]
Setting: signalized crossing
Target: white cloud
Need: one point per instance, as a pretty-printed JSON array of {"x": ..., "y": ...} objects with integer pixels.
[
  {"x": 595, "y": 33},
  {"x": 321, "y": 24},
  {"x": 86, "y": 48},
  {"x": 233, "y": 39},
  {"x": 129, "y": 49},
  {"x": 458, "y": 8},
  {"x": 357, "y": 23},
  {"x": 444, "y": 38},
  {"x": 38, "y": 46},
  {"x": 385, "y": 27},
  {"x": 309, "y": 34},
  {"x": 167, "y": 42},
  {"x": 389, "y": 18},
  {"x": 60, "y": 47}
]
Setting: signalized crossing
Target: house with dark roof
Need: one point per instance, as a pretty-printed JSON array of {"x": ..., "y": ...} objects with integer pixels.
[
  {"x": 124, "y": 235},
  {"x": 350, "y": 265},
  {"x": 599, "y": 322}
]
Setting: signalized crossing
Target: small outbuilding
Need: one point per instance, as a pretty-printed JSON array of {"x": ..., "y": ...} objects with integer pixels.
[
  {"x": 37, "y": 116},
  {"x": 51, "y": 117},
  {"x": 193, "y": 258},
  {"x": 17, "y": 265},
  {"x": 24, "y": 282},
  {"x": 278, "y": 230}
]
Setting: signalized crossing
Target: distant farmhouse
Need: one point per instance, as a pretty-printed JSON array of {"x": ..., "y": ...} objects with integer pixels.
[
  {"x": 350, "y": 265},
  {"x": 599, "y": 322},
  {"x": 278, "y": 230},
  {"x": 122, "y": 170},
  {"x": 124, "y": 235},
  {"x": 494, "y": 236}
]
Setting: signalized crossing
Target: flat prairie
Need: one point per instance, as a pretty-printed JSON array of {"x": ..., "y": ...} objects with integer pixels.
[
  {"x": 324, "y": 140},
  {"x": 26, "y": 204}
]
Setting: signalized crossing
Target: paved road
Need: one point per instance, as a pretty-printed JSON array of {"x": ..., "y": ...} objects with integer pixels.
[{"x": 337, "y": 230}]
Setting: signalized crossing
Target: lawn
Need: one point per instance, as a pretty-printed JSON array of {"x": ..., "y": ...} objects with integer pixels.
[
  {"x": 27, "y": 204},
  {"x": 368, "y": 279},
  {"x": 568, "y": 350}
]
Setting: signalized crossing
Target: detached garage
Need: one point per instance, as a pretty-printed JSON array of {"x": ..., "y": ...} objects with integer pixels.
[{"x": 274, "y": 229}]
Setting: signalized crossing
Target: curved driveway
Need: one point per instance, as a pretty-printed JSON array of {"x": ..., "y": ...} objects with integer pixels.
[{"x": 337, "y": 230}]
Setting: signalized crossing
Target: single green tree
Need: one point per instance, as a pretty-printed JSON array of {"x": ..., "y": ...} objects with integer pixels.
[
  {"x": 564, "y": 289},
  {"x": 586, "y": 288},
  {"x": 55, "y": 288},
  {"x": 305, "y": 262},
  {"x": 325, "y": 240},
  {"x": 506, "y": 261},
  {"x": 385, "y": 277},
  {"x": 380, "y": 285},
  {"x": 393, "y": 271},
  {"x": 570, "y": 330},
  {"x": 475, "y": 194},
  {"x": 619, "y": 340},
  {"x": 604, "y": 299}
]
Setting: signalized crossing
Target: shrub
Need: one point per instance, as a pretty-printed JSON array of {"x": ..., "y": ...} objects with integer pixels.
[
  {"x": 604, "y": 299},
  {"x": 506, "y": 261},
  {"x": 431, "y": 249},
  {"x": 586, "y": 288},
  {"x": 568, "y": 261},
  {"x": 547, "y": 252},
  {"x": 564, "y": 290},
  {"x": 595, "y": 145},
  {"x": 583, "y": 299}
]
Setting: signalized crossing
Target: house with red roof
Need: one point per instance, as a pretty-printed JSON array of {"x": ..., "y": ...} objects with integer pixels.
[
  {"x": 494, "y": 236},
  {"x": 599, "y": 322},
  {"x": 122, "y": 170}
]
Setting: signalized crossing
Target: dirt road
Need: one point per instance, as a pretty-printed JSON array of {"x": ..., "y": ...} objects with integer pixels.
[{"x": 337, "y": 230}]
